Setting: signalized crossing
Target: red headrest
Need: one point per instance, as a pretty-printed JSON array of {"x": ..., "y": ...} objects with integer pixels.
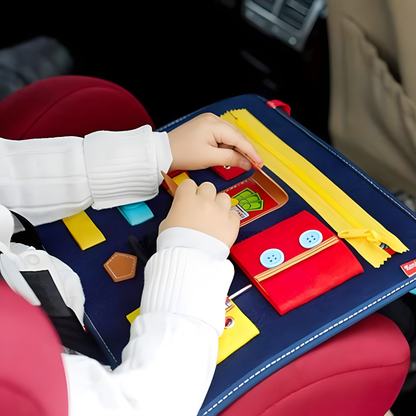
[{"x": 32, "y": 377}]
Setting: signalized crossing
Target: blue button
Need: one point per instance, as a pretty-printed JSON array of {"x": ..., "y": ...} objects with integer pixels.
[
  {"x": 310, "y": 238},
  {"x": 272, "y": 258}
]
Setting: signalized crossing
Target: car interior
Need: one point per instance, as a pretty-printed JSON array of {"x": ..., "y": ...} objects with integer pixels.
[{"x": 178, "y": 57}]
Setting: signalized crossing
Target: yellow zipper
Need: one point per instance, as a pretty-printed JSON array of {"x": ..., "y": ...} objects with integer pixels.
[{"x": 343, "y": 214}]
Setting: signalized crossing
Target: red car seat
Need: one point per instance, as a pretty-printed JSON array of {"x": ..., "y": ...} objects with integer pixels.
[{"x": 32, "y": 376}]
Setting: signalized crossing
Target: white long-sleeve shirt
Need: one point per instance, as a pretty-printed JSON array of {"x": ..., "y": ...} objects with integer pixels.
[
  {"x": 48, "y": 179},
  {"x": 168, "y": 364}
]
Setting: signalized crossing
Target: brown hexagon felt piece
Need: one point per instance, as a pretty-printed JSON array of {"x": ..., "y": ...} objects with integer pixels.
[{"x": 121, "y": 266}]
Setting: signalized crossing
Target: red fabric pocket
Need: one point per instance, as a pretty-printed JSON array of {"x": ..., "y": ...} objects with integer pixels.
[
  {"x": 229, "y": 172},
  {"x": 306, "y": 279}
]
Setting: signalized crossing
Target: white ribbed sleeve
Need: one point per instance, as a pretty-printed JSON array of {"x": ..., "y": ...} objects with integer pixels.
[
  {"x": 124, "y": 167},
  {"x": 169, "y": 362},
  {"x": 188, "y": 275},
  {"x": 49, "y": 179}
]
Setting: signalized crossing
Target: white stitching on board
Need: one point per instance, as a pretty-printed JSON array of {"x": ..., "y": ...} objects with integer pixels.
[
  {"x": 304, "y": 343},
  {"x": 108, "y": 349},
  {"x": 172, "y": 123}
]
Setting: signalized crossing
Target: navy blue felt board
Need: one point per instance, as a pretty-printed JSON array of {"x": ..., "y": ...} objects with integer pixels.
[{"x": 282, "y": 338}]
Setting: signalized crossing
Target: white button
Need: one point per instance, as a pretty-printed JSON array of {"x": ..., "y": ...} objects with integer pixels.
[
  {"x": 33, "y": 259},
  {"x": 272, "y": 258},
  {"x": 310, "y": 238}
]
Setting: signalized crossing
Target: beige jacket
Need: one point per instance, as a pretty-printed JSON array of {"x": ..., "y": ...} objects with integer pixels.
[{"x": 373, "y": 87}]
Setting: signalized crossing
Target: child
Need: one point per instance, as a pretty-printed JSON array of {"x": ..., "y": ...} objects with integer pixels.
[{"x": 168, "y": 364}]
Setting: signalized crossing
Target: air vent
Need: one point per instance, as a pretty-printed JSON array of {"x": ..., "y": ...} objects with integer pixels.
[
  {"x": 294, "y": 12},
  {"x": 290, "y": 21},
  {"x": 266, "y": 4}
]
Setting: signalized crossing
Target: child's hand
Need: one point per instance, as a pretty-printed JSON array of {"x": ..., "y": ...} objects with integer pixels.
[
  {"x": 202, "y": 209},
  {"x": 207, "y": 141}
]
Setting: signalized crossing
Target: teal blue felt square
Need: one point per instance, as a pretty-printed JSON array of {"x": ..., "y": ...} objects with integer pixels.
[{"x": 136, "y": 213}]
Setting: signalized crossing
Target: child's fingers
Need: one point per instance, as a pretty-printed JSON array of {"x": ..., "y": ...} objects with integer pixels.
[
  {"x": 230, "y": 137},
  {"x": 223, "y": 200},
  {"x": 187, "y": 187},
  {"x": 207, "y": 190}
]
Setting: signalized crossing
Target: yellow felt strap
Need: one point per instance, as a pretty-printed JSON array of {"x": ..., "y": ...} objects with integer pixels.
[
  {"x": 84, "y": 231},
  {"x": 232, "y": 338},
  {"x": 133, "y": 315},
  {"x": 337, "y": 208},
  {"x": 178, "y": 179}
]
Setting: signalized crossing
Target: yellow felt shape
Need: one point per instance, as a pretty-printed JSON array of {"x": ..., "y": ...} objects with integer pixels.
[
  {"x": 234, "y": 202},
  {"x": 84, "y": 231},
  {"x": 133, "y": 315},
  {"x": 342, "y": 213},
  {"x": 178, "y": 179},
  {"x": 240, "y": 331}
]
